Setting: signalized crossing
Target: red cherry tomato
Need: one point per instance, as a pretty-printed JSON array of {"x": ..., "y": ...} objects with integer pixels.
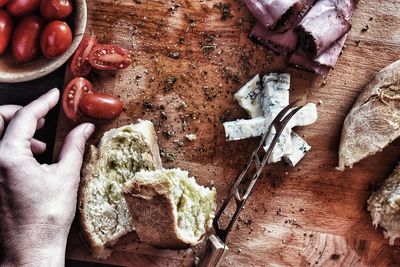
[
  {"x": 55, "y": 9},
  {"x": 109, "y": 57},
  {"x": 26, "y": 37},
  {"x": 55, "y": 39},
  {"x": 6, "y": 26},
  {"x": 100, "y": 106},
  {"x": 80, "y": 65},
  {"x": 72, "y": 95},
  {"x": 19, "y": 8},
  {"x": 3, "y": 2}
]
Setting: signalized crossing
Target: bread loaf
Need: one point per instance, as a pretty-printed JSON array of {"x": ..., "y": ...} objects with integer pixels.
[{"x": 103, "y": 213}]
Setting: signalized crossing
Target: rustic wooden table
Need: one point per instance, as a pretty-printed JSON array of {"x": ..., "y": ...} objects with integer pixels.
[{"x": 311, "y": 215}]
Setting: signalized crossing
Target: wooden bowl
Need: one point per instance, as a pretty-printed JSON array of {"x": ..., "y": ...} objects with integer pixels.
[{"x": 13, "y": 73}]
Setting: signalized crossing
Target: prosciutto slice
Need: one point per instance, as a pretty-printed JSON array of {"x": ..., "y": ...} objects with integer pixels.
[
  {"x": 322, "y": 64},
  {"x": 272, "y": 13},
  {"x": 324, "y": 24},
  {"x": 280, "y": 42}
]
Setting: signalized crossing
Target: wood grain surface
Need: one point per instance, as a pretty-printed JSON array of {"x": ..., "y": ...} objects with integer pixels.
[{"x": 311, "y": 215}]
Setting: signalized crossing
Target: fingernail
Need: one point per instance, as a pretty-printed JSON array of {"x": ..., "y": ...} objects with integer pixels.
[
  {"x": 53, "y": 90},
  {"x": 87, "y": 132}
]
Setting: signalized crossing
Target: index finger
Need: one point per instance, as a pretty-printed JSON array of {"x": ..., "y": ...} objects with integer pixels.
[
  {"x": 23, "y": 126},
  {"x": 6, "y": 114}
]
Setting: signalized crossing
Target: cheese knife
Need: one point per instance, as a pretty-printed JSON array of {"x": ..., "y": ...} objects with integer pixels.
[{"x": 216, "y": 245}]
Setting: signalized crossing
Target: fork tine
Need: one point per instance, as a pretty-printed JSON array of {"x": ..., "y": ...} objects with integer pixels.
[{"x": 279, "y": 127}]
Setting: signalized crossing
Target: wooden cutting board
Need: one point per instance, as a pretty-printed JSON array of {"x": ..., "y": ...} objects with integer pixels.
[{"x": 308, "y": 215}]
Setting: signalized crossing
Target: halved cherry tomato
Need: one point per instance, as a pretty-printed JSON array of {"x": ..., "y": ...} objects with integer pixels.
[
  {"x": 100, "y": 106},
  {"x": 109, "y": 57},
  {"x": 56, "y": 39},
  {"x": 26, "y": 37},
  {"x": 19, "y": 8},
  {"x": 6, "y": 26},
  {"x": 55, "y": 9},
  {"x": 72, "y": 95},
  {"x": 3, "y": 2},
  {"x": 80, "y": 65}
]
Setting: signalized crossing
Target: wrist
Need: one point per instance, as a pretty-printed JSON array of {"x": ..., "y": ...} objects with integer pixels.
[{"x": 38, "y": 244}]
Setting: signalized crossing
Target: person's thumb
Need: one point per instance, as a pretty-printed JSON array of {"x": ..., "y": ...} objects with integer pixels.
[{"x": 71, "y": 155}]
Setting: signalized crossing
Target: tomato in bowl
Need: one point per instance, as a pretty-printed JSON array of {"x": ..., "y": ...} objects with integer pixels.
[{"x": 65, "y": 22}]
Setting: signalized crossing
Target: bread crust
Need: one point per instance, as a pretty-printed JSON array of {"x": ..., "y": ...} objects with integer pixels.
[
  {"x": 103, "y": 250},
  {"x": 374, "y": 120},
  {"x": 154, "y": 218}
]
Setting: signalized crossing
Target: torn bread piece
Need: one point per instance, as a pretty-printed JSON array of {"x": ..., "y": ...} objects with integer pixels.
[
  {"x": 249, "y": 97},
  {"x": 169, "y": 209},
  {"x": 384, "y": 206},
  {"x": 103, "y": 213}
]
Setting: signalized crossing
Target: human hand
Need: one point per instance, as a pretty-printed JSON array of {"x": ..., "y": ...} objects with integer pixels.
[{"x": 37, "y": 202}]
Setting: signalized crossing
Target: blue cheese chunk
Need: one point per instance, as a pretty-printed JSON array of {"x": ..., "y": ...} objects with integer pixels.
[
  {"x": 242, "y": 129},
  {"x": 305, "y": 116},
  {"x": 275, "y": 93},
  {"x": 275, "y": 98},
  {"x": 249, "y": 97},
  {"x": 299, "y": 149}
]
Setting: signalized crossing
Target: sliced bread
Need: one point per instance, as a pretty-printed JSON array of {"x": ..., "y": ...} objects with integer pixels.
[
  {"x": 103, "y": 213},
  {"x": 384, "y": 206},
  {"x": 168, "y": 208}
]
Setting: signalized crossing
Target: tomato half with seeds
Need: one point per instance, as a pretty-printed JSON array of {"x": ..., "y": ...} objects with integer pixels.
[
  {"x": 109, "y": 57},
  {"x": 100, "y": 106},
  {"x": 72, "y": 95},
  {"x": 80, "y": 65}
]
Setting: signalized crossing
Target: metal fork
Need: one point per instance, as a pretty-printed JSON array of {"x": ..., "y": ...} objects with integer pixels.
[{"x": 216, "y": 244}]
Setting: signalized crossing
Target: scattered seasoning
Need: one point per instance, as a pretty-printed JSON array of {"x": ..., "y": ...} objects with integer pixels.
[
  {"x": 358, "y": 42},
  {"x": 163, "y": 115},
  {"x": 174, "y": 8},
  {"x": 181, "y": 40},
  {"x": 170, "y": 82},
  {"x": 174, "y": 55},
  {"x": 225, "y": 116},
  {"x": 366, "y": 27},
  {"x": 335, "y": 257},
  {"x": 225, "y": 10},
  {"x": 138, "y": 1},
  {"x": 148, "y": 105},
  {"x": 168, "y": 133}
]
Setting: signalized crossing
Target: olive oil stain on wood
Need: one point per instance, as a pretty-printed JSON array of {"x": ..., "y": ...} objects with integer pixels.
[{"x": 188, "y": 60}]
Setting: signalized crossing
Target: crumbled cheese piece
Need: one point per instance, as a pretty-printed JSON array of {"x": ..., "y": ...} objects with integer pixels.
[
  {"x": 191, "y": 137},
  {"x": 242, "y": 129},
  {"x": 299, "y": 149},
  {"x": 249, "y": 97}
]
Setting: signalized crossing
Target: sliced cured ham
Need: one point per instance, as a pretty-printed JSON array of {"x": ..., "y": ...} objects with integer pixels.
[
  {"x": 324, "y": 24},
  {"x": 275, "y": 13},
  {"x": 278, "y": 42},
  {"x": 322, "y": 64}
]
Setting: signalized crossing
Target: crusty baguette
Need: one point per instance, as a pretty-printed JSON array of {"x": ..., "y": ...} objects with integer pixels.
[
  {"x": 103, "y": 214},
  {"x": 169, "y": 209},
  {"x": 384, "y": 206},
  {"x": 374, "y": 120}
]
